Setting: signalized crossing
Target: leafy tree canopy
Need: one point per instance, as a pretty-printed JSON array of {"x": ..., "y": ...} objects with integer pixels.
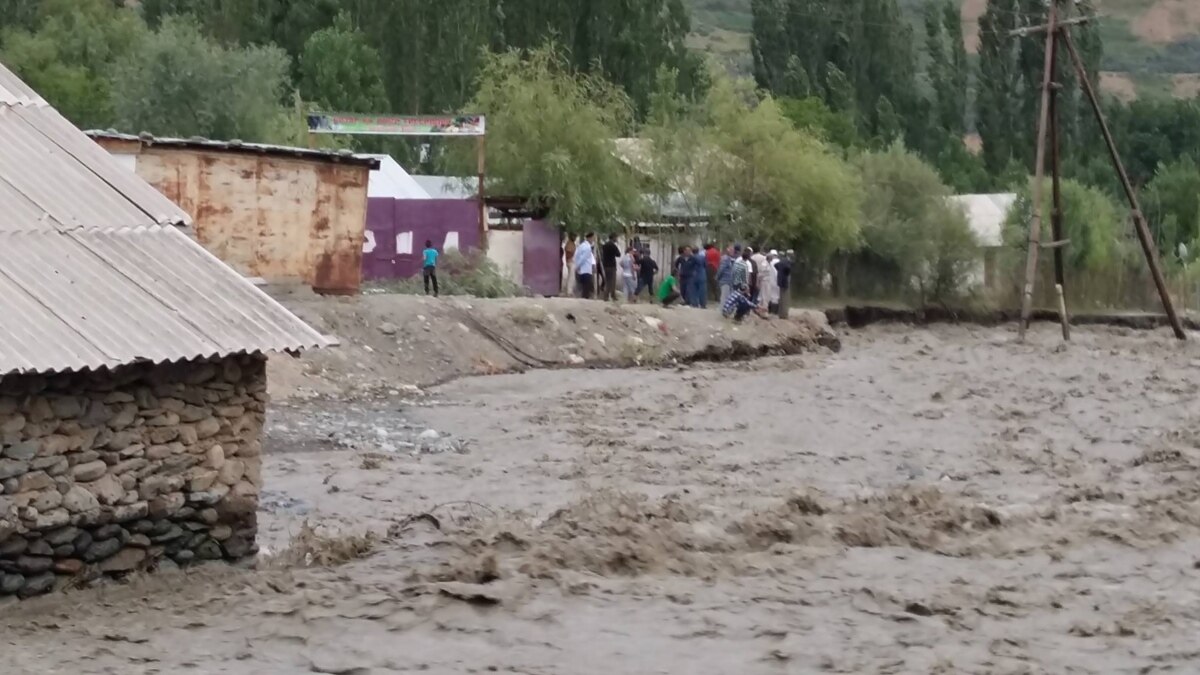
[
  {"x": 1091, "y": 221},
  {"x": 909, "y": 222},
  {"x": 783, "y": 184},
  {"x": 550, "y": 138},
  {"x": 177, "y": 82}
]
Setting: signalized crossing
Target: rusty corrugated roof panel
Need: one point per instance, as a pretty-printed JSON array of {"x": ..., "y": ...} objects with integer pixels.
[
  {"x": 316, "y": 155},
  {"x": 91, "y": 273},
  {"x": 91, "y": 299}
]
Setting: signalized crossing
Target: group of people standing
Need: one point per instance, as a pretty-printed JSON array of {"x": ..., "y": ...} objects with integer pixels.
[{"x": 741, "y": 279}]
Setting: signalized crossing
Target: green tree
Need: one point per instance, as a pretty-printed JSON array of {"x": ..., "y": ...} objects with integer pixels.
[
  {"x": 888, "y": 127},
  {"x": 283, "y": 23},
  {"x": 948, "y": 68},
  {"x": 1172, "y": 204},
  {"x": 18, "y": 15},
  {"x": 1091, "y": 221},
  {"x": 839, "y": 91},
  {"x": 1010, "y": 81},
  {"x": 432, "y": 54},
  {"x": 339, "y": 70},
  {"x": 432, "y": 51},
  {"x": 780, "y": 184},
  {"x": 962, "y": 171},
  {"x": 811, "y": 115},
  {"x": 999, "y": 92},
  {"x": 673, "y": 149},
  {"x": 796, "y": 83},
  {"x": 909, "y": 224},
  {"x": 178, "y": 82},
  {"x": 67, "y": 56},
  {"x": 550, "y": 138},
  {"x": 850, "y": 50}
]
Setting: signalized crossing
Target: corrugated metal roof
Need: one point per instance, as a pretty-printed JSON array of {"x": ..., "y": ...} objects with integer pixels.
[
  {"x": 59, "y": 179},
  {"x": 90, "y": 274},
  {"x": 330, "y": 156},
  {"x": 99, "y": 298},
  {"x": 15, "y": 92},
  {"x": 986, "y": 214},
  {"x": 390, "y": 180}
]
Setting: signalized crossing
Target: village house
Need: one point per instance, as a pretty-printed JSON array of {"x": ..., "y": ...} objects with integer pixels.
[
  {"x": 132, "y": 368},
  {"x": 285, "y": 215},
  {"x": 986, "y": 214}
]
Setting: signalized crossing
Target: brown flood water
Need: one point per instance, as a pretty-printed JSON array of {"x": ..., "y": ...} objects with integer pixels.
[{"x": 941, "y": 500}]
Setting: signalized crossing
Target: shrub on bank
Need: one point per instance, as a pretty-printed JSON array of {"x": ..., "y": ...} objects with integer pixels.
[{"x": 459, "y": 273}]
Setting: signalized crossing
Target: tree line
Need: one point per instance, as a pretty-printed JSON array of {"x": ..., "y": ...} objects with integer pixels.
[
  {"x": 845, "y": 143},
  {"x": 863, "y": 75}
]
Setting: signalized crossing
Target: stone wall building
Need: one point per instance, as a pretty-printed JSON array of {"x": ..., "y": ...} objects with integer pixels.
[
  {"x": 123, "y": 469},
  {"x": 132, "y": 368}
]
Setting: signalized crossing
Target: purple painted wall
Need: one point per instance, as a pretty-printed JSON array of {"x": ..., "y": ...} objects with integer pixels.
[
  {"x": 542, "y": 262},
  {"x": 397, "y": 230}
]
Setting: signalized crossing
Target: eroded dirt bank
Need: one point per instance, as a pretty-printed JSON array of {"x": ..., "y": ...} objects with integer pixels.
[
  {"x": 391, "y": 343},
  {"x": 940, "y": 500}
]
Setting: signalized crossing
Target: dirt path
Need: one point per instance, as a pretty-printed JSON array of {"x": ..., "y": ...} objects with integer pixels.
[{"x": 942, "y": 500}]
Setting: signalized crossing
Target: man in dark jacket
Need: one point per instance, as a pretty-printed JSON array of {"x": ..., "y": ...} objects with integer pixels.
[
  {"x": 698, "y": 293},
  {"x": 783, "y": 279},
  {"x": 610, "y": 253},
  {"x": 647, "y": 269},
  {"x": 683, "y": 272}
]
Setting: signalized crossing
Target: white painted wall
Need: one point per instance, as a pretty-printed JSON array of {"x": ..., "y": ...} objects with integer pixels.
[{"x": 506, "y": 248}]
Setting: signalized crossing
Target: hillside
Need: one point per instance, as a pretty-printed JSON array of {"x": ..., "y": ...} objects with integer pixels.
[{"x": 1152, "y": 47}]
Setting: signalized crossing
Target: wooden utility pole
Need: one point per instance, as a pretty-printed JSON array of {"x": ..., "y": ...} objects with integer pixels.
[
  {"x": 1056, "y": 213},
  {"x": 481, "y": 169},
  {"x": 1139, "y": 220},
  {"x": 1035, "y": 225},
  {"x": 1057, "y": 33}
]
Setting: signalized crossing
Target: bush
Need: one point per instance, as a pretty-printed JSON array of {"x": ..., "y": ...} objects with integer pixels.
[
  {"x": 909, "y": 224},
  {"x": 1090, "y": 220},
  {"x": 1172, "y": 204},
  {"x": 459, "y": 273}
]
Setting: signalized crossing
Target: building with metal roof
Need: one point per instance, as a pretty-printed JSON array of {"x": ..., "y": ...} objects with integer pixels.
[
  {"x": 986, "y": 214},
  {"x": 95, "y": 273},
  {"x": 283, "y": 214}
]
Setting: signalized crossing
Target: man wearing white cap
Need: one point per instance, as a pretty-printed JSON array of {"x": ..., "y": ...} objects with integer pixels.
[{"x": 770, "y": 291}]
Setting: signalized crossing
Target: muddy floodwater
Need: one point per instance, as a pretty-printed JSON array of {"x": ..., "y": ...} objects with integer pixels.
[{"x": 926, "y": 501}]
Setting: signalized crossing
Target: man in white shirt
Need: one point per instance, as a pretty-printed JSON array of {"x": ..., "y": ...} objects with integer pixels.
[
  {"x": 770, "y": 285},
  {"x": 585, "y": 266},
  {"x": 758, "y": 286}
]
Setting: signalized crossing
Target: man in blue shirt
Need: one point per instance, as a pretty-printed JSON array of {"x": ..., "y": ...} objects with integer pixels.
[
  {"x": 725, "y": 274},
  {"x": 429, "y": 270}
]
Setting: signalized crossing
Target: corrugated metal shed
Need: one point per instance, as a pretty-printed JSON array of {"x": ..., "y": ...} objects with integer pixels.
[{"x": 92, "y": 273}]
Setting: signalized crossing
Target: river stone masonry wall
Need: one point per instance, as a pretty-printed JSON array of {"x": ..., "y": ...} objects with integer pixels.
[{"x": 143, "y": 466}]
